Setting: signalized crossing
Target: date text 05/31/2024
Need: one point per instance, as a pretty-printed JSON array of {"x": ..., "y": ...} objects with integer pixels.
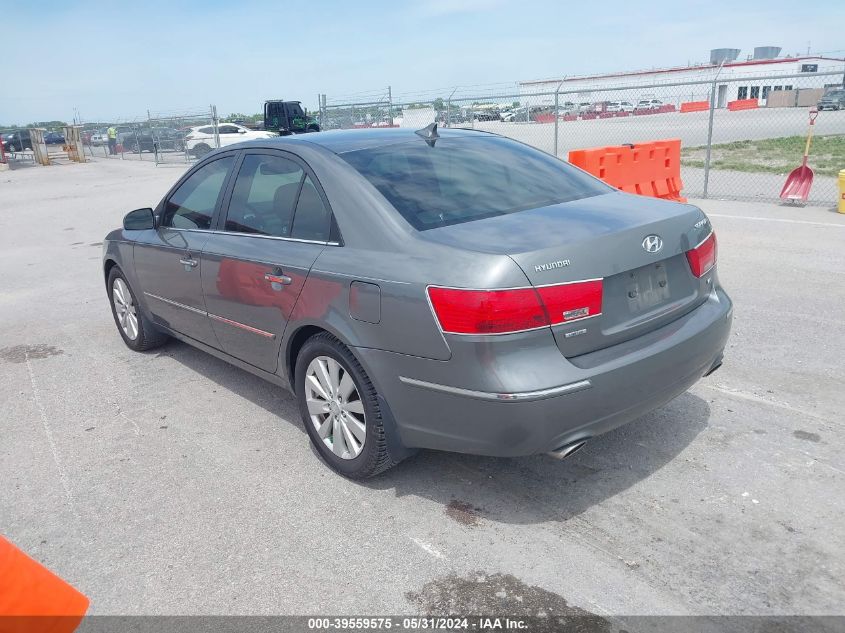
[{"x": 431, "y": 623}]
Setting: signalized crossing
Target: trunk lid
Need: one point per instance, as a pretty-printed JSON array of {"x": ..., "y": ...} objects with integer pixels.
[{"x": 600, "y": 237}]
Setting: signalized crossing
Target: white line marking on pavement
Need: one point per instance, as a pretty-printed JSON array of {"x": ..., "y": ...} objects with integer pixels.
[
  {"x": 753, "y": 397},
  {"x": 784, "y": 220},
  {"x": 49, "y": 433},
  {"x": 427, "y": 548},
  {"x": 787, "y": 407}
]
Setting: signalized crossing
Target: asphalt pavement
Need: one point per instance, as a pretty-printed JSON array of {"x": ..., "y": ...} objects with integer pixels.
[{"x": 172, "y": 483}]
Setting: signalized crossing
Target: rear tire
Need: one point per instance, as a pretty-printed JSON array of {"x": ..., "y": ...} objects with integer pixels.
[
  {"x": 329, "y": 415},
  {"x": 136, "y": 330}
]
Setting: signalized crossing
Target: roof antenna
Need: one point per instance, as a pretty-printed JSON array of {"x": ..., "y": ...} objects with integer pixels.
[{"x": 429, "y": 133}]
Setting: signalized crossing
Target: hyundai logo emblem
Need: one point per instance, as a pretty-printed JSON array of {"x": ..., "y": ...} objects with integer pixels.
[{"x": 652, "y": 243}]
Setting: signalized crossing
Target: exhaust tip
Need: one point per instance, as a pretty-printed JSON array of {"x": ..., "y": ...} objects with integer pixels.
[
  {"x": 713, "y": 368},
  {"x": 567, "y": 449}
]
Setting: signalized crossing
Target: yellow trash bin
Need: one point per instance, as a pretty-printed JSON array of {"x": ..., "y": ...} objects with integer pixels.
[{"x": 842, "y": 191}]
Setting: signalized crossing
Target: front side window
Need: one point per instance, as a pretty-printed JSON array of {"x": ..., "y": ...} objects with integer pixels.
[
  {"x": 264, "y": 196},
  {"x": 463, "y": 179},
  {"x": 192, "y": 205},
  {"x": 227, "y": 129}
]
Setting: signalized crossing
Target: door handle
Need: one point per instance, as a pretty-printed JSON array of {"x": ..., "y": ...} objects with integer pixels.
[
  {"x": 284, "y": 280},
  {"x": 188, "y": 262}
]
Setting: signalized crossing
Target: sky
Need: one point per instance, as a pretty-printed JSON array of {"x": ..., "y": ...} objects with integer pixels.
[{"x": 109, "y": 60}]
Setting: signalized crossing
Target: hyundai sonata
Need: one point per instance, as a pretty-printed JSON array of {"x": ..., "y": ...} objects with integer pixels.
[{"x": 449, "y": 290}]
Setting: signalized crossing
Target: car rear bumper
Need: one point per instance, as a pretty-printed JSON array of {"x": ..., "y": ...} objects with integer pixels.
[{"x": 590, "y": 394}]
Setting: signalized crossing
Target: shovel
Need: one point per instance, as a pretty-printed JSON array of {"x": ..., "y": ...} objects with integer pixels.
[{"x": 799, "y": 181}]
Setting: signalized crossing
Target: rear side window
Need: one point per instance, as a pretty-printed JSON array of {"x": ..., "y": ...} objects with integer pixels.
[
  {"x": 463, "y": 179},
  {"x": 312, "y": 220},
  {"x": 192, "y": 205},
  {"x": 264, "y": 196}
]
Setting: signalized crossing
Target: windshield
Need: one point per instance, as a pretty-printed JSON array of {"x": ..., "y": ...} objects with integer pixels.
[{"x": 463, "y": 179}]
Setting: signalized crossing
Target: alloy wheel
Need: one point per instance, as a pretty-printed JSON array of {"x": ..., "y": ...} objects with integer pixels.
[
  {"x": 335, "y": 407},
  {"x": 124, "y": 307}
]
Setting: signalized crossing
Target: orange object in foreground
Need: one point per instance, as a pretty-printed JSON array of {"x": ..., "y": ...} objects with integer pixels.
[
  {"x": 33, "y": 599},
  {"x": 647, "y": 169}
]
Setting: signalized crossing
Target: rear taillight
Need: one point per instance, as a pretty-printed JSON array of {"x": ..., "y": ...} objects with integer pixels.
[
  {"x": 487, "y": 311},
  {"x": 703, "y": 257},
  {"x": 461, "y": 311},
  {"x": 569, "y": 302}
]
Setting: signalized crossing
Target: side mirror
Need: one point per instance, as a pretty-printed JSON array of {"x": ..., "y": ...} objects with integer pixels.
[
  {"x": 241, "y": 131},
  {"x": 139, "y": 220}
]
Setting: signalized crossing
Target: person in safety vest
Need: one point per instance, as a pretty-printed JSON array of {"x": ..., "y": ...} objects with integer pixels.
[{"x": 112, "y": 134}]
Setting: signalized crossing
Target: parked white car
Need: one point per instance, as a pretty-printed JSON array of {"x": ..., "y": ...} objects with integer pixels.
[
  {"x": 200, "y": 140},
  {"x": 649, "y": 104},
  {"x": 99, "y": 138},
  {"x": 619, "y": 106}
]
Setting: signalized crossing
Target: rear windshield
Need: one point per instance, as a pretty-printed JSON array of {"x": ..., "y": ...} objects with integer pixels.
[{"x": 463, "y": 179}]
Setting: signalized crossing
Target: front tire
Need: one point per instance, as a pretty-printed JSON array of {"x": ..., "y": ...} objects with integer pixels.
[
  {"x": 135, "y": 329},
  {"x": 340, "y": 409}
]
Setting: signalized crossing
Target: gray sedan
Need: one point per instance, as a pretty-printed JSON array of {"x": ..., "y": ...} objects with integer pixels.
[{"x": 450, "y": 290}]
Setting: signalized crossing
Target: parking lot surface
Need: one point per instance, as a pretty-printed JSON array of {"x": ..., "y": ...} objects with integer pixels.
[
  {"x": 690, "y": 127},
  {"x": 172, "y": 483}
]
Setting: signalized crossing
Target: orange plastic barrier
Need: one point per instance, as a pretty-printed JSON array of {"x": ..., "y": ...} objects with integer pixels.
[
  {"x": 743, "y": 104},
  {"x": 33, "y": 599},
  {"x": 648, "y": 169},
  {"x": 695, "y": 106}
]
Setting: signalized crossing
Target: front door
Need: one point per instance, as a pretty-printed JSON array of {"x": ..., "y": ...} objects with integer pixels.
[
  {"x": 168, "y": 260},
  {"x": 254, "y": 267}
]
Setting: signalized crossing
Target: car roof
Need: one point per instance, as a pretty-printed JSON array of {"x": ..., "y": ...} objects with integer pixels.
[
  {"x": 341, "y": 141},
  {"x": 209, "y": 124}
]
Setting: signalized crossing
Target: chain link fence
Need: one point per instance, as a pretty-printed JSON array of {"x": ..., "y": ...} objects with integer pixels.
[
  {"x": 743, "y": 154},
  {"x": 176, "y": 137}
]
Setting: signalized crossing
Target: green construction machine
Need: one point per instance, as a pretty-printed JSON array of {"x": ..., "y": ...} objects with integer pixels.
[{"x": 288, "y": 117}]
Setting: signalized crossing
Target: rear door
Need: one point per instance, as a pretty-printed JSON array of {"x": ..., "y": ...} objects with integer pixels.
[
  {"x": 275, "y": 224},
  {"x": 167, "y": 260}
]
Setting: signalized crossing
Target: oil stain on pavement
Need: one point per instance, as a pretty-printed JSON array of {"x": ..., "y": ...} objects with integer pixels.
[
  {"x": 20, "y": 353},
  {"x": 806, "y": 435},
  {"x": 463, "y": 512},
  {"x": 481, "y": 593}
]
